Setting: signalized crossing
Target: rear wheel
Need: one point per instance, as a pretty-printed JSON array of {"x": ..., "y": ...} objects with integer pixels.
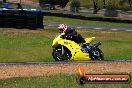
[
  {"x": 61, "y": 54},
  {"x": 96, "y": 54}
]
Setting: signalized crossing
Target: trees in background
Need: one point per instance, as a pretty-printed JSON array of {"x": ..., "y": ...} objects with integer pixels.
[
  {"x": 96, "y": 4},
  {"x": 127, "y": 1},
  {"x": 111, "y": 5},
  {"x": 104, "y": 3},
  {"x": 130, "y": 3},
  {"x": 75, "y": 5}
]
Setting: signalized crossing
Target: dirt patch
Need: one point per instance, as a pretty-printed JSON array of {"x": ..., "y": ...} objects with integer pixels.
[{"x": 10, "y": 71}]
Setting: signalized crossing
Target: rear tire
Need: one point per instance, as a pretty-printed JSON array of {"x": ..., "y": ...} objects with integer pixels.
[{"x": 57, "y": 54}]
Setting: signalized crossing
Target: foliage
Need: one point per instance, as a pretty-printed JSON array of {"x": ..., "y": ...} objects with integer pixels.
[
  {"x": 75, "y": 4},
  {"x": 118, "y": 4},
  {"x": 109, "y": 4},
  {"x": 0, "y": 4}
]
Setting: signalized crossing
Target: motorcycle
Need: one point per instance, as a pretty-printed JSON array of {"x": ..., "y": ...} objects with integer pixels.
[{"x": 64, "y": 50}]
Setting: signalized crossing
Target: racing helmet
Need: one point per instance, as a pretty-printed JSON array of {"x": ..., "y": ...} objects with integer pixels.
[{"x": 62, "y": 27}]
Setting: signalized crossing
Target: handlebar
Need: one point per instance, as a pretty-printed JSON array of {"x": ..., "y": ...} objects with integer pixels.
[{"x": 97, "y": 44}]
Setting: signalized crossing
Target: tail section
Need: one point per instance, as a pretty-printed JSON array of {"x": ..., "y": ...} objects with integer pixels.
[{"x": 88, "y": 40}]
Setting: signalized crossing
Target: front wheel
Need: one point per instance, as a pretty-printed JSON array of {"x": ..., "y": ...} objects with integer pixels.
[
  {"x": 96, "y": 54},
  {"x": 61, "y": 53}
]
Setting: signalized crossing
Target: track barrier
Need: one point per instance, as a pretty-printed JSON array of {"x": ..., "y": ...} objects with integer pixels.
[{"x": 10, "y": 18}]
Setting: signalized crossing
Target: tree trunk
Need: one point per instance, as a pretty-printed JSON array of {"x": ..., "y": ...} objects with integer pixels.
[
  {"x": 130, "y": 3},
  {"x": 104, "y": 3},
  {"x": 95, "y": 5}
]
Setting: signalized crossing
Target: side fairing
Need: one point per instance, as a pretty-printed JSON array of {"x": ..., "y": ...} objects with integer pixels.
[{"x": 75, "y": 49}]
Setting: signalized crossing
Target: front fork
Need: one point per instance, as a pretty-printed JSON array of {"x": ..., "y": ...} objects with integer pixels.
[{"x": 62, "y": 49}]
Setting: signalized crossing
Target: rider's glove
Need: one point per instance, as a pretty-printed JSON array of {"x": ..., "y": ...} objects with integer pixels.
[
  {"x": 63, "y": 36},
  {"x": 68, "y": 36}
]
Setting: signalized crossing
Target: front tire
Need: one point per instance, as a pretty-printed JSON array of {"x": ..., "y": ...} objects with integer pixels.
[
  {"x": 96, "y": 54},
  {"x": 57, "y": 54}
]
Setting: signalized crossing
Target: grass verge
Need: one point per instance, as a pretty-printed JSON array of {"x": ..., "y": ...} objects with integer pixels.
[
  {"x": 56, "y": 81},
  {"x": 77, "y": 21}
]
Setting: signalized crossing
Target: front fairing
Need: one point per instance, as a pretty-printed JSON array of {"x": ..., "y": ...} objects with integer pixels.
[{"x": 57, "y": 38}]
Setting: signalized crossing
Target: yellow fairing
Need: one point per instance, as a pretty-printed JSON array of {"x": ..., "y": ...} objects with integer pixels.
[
  {"x": 57, "y": 39},
  {"x": 89, "y": 40},
  {"x": 74, "y": 48}
]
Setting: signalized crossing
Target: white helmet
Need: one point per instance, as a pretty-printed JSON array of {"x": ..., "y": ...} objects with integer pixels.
[{"x": 62, "y": 27}]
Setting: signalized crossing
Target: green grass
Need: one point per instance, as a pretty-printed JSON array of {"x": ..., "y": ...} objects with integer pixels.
[
  {"x": 28, "y": 45},
  {"x": 76, "y": 21},
  {"x": 25, "y": 47},
  {"x": 57, "y": 81}
]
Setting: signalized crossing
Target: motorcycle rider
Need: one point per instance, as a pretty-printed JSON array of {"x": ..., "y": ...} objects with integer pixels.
[{"x": 71, "y": 34}]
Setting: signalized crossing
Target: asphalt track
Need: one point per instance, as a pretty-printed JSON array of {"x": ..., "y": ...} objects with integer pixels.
[
  {"x": 99, "y": 27},
  {"x": 62, "y": 62}
]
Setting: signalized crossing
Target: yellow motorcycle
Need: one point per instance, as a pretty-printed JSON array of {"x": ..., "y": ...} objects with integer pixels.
[{"x": 64, "y": 50}]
